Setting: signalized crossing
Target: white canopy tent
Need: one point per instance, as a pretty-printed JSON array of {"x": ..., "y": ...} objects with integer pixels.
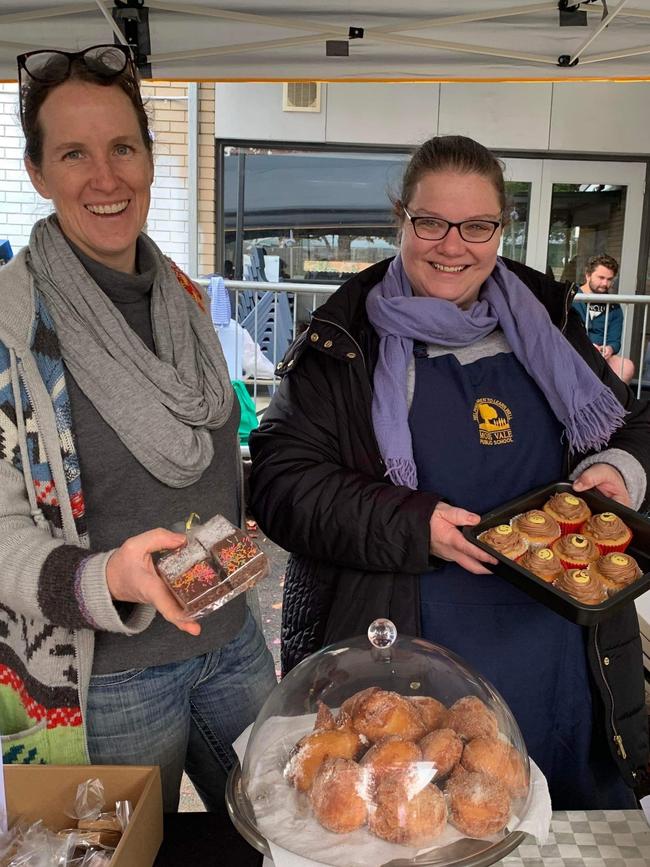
[{"x": 418, "y": 40}]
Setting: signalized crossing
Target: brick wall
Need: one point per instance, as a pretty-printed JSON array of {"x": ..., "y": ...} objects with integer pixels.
[
  {"x": 207, "y": 167},
  {"x": 21, "y": 206}
]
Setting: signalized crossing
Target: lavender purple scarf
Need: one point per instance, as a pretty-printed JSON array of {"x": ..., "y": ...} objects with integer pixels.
[{"x": 588, "y": 409}]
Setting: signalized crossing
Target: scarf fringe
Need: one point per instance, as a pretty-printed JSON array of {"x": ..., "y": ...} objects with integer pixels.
[
  {"x": 402, "y": 471},
  {"x": 591, "y": 427}
]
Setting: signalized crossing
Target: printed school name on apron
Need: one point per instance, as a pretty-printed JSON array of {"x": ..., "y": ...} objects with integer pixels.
[{"x": 493, "y": 420}]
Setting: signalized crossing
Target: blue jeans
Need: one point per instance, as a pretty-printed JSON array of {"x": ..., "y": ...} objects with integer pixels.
[{"x": 183, "y": 715}]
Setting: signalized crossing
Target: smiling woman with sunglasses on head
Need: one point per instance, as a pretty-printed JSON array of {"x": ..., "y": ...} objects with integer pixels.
[
  {"x": 117, "y": 418},
  {"x": 427, "y": 390}
]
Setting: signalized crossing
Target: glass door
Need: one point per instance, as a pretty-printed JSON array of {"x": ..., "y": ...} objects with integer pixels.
[
  {"x": 523, "y": 191},
  {"x": 561, "y": 212},
  {"x": 587, "y": 208}
]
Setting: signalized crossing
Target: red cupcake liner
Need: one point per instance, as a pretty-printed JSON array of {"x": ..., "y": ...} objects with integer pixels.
[
  {"x": 571, "y": 526},
  {"x": 610, "y": 548},
  {"x": 570, "y": 564}
]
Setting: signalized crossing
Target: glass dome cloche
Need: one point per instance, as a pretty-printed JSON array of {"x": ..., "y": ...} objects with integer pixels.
[{"x": 379, "y": 749}]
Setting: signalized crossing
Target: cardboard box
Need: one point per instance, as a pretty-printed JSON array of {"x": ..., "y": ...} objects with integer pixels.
[{"x": 45, "y": 791}]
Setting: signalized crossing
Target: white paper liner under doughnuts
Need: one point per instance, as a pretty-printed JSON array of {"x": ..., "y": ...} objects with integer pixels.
[{"x": 287, "y": 816}]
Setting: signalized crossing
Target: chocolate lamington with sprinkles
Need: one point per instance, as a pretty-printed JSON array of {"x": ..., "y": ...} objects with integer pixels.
[
  {"x": 193, "y": 579},
  {"x": 218, "y": 562},
  {"x": 234, "y": 551}
]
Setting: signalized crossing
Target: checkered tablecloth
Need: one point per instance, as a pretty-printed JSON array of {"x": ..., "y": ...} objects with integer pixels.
[{"x": 598, "y": 838}]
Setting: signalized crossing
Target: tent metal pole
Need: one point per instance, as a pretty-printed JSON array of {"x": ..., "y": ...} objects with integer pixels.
[
  {"x": 602, "y": 26},
  {"x": 112, "y": 24},
  {"x": 466, "y": 49},
  {"x": 235, "y": 49},
  {"x": 615, "y": 55},
  {"x": 248, "y": 17},
  {"x": 487, "y": 15}
]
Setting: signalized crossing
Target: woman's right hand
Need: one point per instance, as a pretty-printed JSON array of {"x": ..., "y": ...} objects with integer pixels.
[
  {"x": 447, "y": 542},
  {"x": 131, "y": 576}
]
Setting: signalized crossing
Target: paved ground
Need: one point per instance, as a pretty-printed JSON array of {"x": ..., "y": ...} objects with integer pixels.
[{"x": 270, "y": 596}]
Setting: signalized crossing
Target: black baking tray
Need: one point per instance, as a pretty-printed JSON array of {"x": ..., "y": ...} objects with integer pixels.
[{"x": 561, "y": 602}]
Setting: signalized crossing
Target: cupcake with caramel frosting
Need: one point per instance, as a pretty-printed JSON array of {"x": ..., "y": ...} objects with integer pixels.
[
  {"x": 538, "y": 528},
  {"x": 608, "y": 532},
  {"x": 543, "y": 563},
  {"x": 568, "y": 510},
  {"x": 615, "y": 571},
  {"x": 582, "y": 585},
  {"x": 506, "y": 540},
  {"x": 575, "y": 551}
]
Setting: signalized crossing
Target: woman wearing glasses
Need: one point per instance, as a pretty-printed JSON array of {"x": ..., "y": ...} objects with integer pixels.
[
  {"x": 117, "y": 418},
  {"x": 426, "y": 391}
]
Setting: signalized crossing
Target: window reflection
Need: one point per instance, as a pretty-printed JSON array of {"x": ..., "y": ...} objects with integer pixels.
[
  {"x": 307, "y": 214},
  {"x": 514, "y": 235},
  {"x": 586, "y": 219}
]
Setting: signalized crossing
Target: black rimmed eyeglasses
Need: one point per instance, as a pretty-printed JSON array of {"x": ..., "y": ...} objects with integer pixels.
[
  {"x": 51, "y": 66},
  {"x": 435, "y": 228}
]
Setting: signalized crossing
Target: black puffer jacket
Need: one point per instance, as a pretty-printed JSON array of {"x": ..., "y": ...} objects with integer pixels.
[{"x": 359, "y": 542}]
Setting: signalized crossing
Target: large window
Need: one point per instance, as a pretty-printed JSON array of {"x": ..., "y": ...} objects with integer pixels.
[
  {"x": 321, "y": 214},
  {"x": 301, "y": 214}
]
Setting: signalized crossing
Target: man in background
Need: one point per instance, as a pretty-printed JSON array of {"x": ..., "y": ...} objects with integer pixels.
[{"x": 604, "y": 328}]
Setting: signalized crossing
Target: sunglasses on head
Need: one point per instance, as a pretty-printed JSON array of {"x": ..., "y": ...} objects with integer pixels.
[{"x": 51, "y": 66}]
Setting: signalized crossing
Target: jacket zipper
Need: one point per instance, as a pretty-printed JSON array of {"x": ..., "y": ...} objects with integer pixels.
[
  {"x": 618, "y": 740},
  {"x": 568, "y": 301}
]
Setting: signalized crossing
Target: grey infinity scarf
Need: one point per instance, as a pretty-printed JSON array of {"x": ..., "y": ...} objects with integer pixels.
[{"x": 162, "y": 406}]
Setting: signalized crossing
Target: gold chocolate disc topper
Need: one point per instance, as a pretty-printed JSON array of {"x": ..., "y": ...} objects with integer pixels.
[
  {"x": 537, "y": 519},
  {"x": 545, "y": 554},
  {"x": 608, "y": 517},
  {"x": 504, "y": 530},
  {"x": 579, "y": 542},
  {"x": 620, "y": 559},
  {"x": 571, "y": 500},
  {"x": 581, "y": 577}
]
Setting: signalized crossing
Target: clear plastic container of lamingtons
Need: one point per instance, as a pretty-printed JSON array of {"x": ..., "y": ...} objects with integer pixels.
[
  {"x": 383, "y": 748},
  {"x": 219, "y": 562}
]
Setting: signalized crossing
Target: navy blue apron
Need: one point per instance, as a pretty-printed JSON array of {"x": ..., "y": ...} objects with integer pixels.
[{"x": 483, "y": 433}]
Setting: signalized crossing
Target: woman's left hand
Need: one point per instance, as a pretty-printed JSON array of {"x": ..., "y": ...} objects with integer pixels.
[{"x": 606, "y": 479}]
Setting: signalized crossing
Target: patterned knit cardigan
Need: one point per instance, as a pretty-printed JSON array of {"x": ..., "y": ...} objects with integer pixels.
[
  {"x": 45, "y": 668},
  {"x": 40, "y": 716}
]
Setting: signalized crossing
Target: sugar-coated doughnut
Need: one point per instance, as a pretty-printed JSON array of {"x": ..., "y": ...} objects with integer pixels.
[
  {"x": 432, "y": 710},
  {"x": 471, "y": 718},
  {"x": 405, "y": 812},
  {"x": 338, "y": 796},
  {"x": 380, "y": 713},
  {"x": 391, "y": 755},
  {"x": 479, "y": 806},
  {"x": 312, "y": 750},
  {"x": 498, "y": 759},
  {"x": 442, "y": 747}
]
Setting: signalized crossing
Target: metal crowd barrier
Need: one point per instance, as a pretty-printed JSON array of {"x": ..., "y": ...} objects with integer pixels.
[
  {"x": 627, "y": 303},
  {"x": 304, "y": 298}
]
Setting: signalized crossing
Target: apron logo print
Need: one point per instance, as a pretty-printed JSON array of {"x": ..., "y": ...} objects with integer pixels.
[{"x": 493, "y": 420}]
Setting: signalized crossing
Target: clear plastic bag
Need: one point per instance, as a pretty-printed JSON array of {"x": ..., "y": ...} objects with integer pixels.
[
  {"x": 89, "y": 800},
  {"x": 36, "y": 846}
]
